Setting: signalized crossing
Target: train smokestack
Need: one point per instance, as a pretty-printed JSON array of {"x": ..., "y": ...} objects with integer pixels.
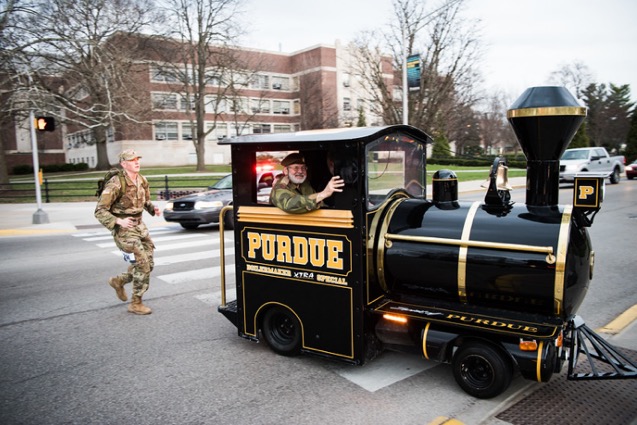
[{"x": 544, "y": 120}]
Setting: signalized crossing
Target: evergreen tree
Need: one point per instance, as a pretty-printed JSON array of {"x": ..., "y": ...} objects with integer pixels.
[
  {"x": 631, "y": 140},
  {"x": 441, "y": 147},
  {"x": 580, "y": 140},
  {"x": 361, "y": 118}
]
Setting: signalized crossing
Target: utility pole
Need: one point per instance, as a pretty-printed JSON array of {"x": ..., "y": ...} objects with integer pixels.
[{"x": 39, "y": 217}]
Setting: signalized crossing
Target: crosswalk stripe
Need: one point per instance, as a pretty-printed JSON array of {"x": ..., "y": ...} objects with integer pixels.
[
  {"x": 104, "y": 231},
  {"x": 109, "y": 236},
  {"x": 199, "y": 274},
  {"x": 193, "y": 256}
]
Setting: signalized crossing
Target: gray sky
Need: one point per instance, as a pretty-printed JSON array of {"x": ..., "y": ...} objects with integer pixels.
[{"x": 524, "y": 40}]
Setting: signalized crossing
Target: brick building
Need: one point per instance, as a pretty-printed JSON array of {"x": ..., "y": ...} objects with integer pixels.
[{"x": 283, "y": 92}]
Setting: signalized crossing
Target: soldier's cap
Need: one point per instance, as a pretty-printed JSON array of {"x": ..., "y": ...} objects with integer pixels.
[
  {"x": 293, "y": 158},
  {"x": 128, "y": 154}
]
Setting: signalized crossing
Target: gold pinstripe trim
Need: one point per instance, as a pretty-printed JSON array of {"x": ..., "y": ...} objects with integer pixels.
[
  {"x": 476, "y": 244},
  {"x": 272, "y": 215},
  {"x": 380, "y": 259},
  {"x": 539, "y": 362},
  {"x": 560, "y": 266},
  {"x": 546, "y": 112},
  {"x": 462, "y": 254},
  {"x": 371, "y": 238},
  {"x": 424, "y": 340}
]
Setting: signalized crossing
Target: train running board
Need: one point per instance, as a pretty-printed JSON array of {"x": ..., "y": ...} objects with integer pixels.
[{"x": 603, "y": 359}]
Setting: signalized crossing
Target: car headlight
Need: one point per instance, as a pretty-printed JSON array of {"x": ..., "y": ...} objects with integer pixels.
[
  {"x": 169, "y": 206},
  {"x": 202, "y": 205}
]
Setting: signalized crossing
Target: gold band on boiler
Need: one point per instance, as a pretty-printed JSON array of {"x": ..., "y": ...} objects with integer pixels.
[
  {"x": 546, "y": 111},
  {"x": 560, "y": 267},
  {"x": 464, "y": 250}
]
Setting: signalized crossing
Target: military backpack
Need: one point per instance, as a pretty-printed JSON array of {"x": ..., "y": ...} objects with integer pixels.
[{"x": 101, "y": 184}]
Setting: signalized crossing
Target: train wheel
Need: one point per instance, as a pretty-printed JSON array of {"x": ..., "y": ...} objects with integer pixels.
[
  {"x": 282, "y": 331},
  {"x": 481, "y": 370}
]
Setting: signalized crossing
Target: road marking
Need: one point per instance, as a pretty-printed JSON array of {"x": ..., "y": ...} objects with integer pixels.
[
  {"x": 388, "y": 368},
  {"x": 193, "y": 256},
  {"x": 620, "y": 322},
  {"x": 199, "y": 274}
]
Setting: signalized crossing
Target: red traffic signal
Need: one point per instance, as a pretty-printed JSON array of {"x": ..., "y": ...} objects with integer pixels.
[{"x": 45, "y": 123}]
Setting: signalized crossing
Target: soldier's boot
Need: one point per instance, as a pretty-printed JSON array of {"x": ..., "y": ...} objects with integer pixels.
[
  {"x": 117, "y": 283},
  {"x": 137, "y": 307}
]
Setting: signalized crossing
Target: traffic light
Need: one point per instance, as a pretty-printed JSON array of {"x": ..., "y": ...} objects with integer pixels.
[{"x": 45, "y": 123}]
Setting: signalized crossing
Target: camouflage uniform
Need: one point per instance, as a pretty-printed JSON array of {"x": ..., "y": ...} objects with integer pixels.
[
  {"x": 133, "y": 201},
  {"x": 293, "y": 198}
]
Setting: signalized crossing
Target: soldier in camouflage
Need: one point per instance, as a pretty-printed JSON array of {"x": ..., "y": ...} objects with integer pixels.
[
  {"x": 120, "y": 211},
  {"x": 293, "y": 193}
]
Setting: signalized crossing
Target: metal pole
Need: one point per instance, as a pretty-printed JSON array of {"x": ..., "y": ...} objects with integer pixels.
[
  {"x": 405, "y": 88},
  {"x": 39, "y": 217}
]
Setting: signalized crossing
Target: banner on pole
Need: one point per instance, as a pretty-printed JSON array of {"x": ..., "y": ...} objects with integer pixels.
[{"x": 413, "y": 72}]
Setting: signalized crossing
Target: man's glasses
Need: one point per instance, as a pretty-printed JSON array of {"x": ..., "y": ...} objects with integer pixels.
[{"x": 296, "y": 168}]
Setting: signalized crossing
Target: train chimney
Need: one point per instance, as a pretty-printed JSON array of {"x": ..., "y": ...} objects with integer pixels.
[{"x": 544, "y": 120}]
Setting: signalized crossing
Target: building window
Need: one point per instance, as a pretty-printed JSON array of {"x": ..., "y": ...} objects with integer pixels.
[
  {"x": 166, "y": 131},
  {"x": 213, "y": 78},
  {"x": 347, "y": 104},
  {"x": 161, "y": 75},
  {"x": 281, "y": 83},
  {"x": 260, "y": 106},
  {"x": 279, "y": 128},
  {"x": 261, "y": 128},
  {"x": 185, "y": 105},
  {"x": 280, "y": 107},
  {"x": 188, "y": 131},
  {"x": 164, "y": 101},
  {"x": 215, "y": 105},
  {"x": 260, "y": 82}
]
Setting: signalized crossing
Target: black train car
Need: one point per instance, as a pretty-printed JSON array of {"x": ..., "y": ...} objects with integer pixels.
[{"x": 489, "y": 287}]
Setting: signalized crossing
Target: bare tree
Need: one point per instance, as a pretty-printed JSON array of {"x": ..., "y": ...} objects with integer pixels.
[
  {"x": 81, "y": 60},
  {"x": 205, "y": 31},
  {"x": 575, "y": 77},
  {"x": 449, "y": 47}
]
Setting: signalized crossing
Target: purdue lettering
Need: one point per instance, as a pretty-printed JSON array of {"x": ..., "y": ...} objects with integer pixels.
[
  {"x": 491, "y": 323},
  {"x": 296, "y": 250}
]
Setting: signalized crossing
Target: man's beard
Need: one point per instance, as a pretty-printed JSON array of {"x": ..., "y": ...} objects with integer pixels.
[{"x": 297, "y": 180}]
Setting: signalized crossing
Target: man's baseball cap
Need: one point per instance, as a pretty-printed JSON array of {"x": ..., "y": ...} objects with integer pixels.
[
  {"x": 128, "y": 154},
  {"x": 293, "y": 158}
]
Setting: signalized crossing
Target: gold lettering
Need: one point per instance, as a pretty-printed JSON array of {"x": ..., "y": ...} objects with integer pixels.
[
  {"x": 267, "y": 240},
  {"x": 334, "y": 249},
  {"x": 254, "y": 243},
  {"x": 284, "y": 249},
  {"x": 317, "y": 250},
  {"x": 300, "y": 250},
  {"x": 585, "y": 191}
]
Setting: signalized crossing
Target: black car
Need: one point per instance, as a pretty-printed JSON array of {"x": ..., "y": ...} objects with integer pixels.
[{"x": 193, "y": 210}]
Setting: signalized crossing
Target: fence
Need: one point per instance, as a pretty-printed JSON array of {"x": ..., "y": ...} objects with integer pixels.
[{"x": 83, "y": 189}]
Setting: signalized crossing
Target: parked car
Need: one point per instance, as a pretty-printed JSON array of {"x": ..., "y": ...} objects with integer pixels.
[
  {"x": 193, "y": 210},
  {"x": 631, "y": 170},
  {"x": 580, "y": 161}
]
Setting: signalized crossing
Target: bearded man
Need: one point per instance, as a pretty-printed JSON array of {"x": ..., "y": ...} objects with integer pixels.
[{"x": 293, "y": 193}]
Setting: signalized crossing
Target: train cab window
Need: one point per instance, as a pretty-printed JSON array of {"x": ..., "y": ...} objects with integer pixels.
[
  {"x": 268, "y": 168},
  {"x": 395, "y": 162}
]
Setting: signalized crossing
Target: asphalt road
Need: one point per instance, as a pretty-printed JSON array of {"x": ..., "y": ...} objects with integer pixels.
[{"x": 71, "y": 354}]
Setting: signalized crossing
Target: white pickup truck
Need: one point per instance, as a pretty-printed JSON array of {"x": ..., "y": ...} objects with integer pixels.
[{"x": 582, "y": 161}]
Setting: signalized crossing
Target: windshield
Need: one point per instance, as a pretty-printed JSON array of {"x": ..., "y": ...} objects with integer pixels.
[
  {"x": 580, "y": 154},
  {"x": 224, "y": 183},
  {"x": 395, "y": 161}
]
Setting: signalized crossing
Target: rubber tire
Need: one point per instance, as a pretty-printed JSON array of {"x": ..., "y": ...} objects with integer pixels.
[
  {"x": 481, "y": 370},
  {"x": 615, "y": 176},
  {"x": 189, "y": 226},
  {"x": 282, "y": 331},
  {"x": 228, "y": 221}
]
